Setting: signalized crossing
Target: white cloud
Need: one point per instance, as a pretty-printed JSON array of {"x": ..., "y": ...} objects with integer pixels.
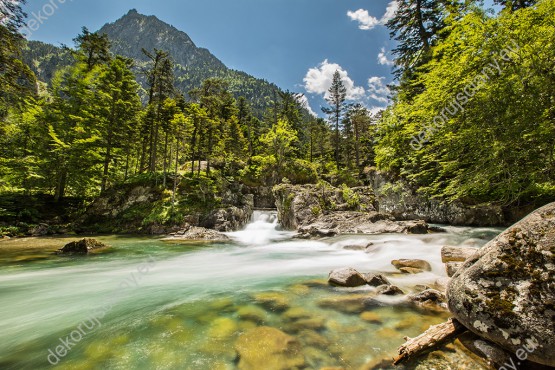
[
  {"x": 383, "y": 59},
  {"x": 318, "y": 80},
  {"x": 368, "y": 22},
  {"x": 392, "y": 8},
  {"x": 378, "y": 90},
  {"x": 303, "y": 101},
  {"x": 365, "y": 20}
]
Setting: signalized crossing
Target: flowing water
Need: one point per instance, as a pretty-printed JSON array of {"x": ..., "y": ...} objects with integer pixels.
[{"x": 151, "y": 304}]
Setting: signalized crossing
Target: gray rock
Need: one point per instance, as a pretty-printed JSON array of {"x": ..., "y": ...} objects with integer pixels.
[
  {"x": 506, "y": 292},
  {"x": 346, "y": 277},
  {"x": 375, "y": 280},
  {"x": 81, "y": 247},
  {"x": 197, "y": 233},
  {"x": 397, "y": 198},
  {"x": 452, "y": 267},
  {"x": 456, "y": 254},
  {"x": 390, "y": 290},
  {"x": 430, "y": 299},
  {"x": 412, "y": 263}
]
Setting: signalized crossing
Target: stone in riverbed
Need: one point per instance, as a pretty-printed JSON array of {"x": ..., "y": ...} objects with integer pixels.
[
  {"x": 456, "y": 254},
  {"x": 270, "y": 349},
  {"x": 375, "y": 280},
  {"x": 81, "y": 247},
  {"x": 346, "y": 277},
  {"x": 410, "y": 270},
  {"x": 273, "y": 301},
  {"x": 390, "y": 290},
  {"x": 371, "y": 317},
  {"x": 430, "y": 299},
  {"x": 412, "y": 263},
  {"x": 506, "y": 292}
]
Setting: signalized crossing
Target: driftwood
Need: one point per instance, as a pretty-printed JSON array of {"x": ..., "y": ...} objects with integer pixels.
[
  {"x": 456, "y": 254},
  {"x": 431, "y": 338}
]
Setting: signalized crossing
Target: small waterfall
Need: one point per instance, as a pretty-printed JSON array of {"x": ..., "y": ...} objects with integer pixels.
[{"x": 262, "y": 229}]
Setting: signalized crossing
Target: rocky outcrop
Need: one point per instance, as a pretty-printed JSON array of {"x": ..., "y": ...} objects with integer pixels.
[
  {"x": 323, "y": 211},
  {"x": 81, "y": 247},
  {"x": 268, "y": 348},
  {"x": 144, "y": 209},
  {"x": 231, "y": 218},
  {"x": 197, "y": 233},
  {"x": 505, "y": 293},
  {"x": 346, "y": 277},
  {"x": 301, "y": 205},
  {"x": 400, "y": 200}
]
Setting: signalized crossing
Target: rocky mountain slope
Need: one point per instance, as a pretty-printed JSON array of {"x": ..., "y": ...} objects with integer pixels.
[{"x": 134, "y": 32}]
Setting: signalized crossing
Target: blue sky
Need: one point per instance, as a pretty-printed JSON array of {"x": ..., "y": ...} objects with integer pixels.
[{"x": 296, "y": 44}]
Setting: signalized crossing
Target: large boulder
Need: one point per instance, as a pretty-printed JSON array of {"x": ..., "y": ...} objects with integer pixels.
[
  {"x": 506, "y": 292},
  {"x": 346, "y": 277},
  {"x": 268, "y": 348},
  {"x": 83, "y": 246}
]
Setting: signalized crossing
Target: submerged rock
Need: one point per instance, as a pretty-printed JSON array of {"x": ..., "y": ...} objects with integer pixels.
[
  {"x": 83, "y": 246},
  {"x": 506, "y": 292},
  {"x": 346, "y": 277},
  {"x": 273, "y": 301},
  {"x": 270, "y": 349}
]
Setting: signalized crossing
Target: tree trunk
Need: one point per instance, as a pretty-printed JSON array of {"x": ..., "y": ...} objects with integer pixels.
[
  {"x": 61, "y": 185},
  {"x": 430, "y": 339},
  {"x": 165, "y": 158}
]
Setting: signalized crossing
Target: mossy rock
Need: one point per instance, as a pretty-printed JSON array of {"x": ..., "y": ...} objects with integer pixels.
[
  {"x": 252, "y": 313},
  {"x": 269, "y": 349},
  {"x": 274, "y": 301}
]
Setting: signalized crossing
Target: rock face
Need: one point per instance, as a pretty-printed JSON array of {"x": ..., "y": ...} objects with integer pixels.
[
  {"x": 268, "y": 348},
  {"x": 399, "y": 200},
  {"x": 322, "y": 211},
  {"x": 346, "y": 277},
  {"x": 82, "y": 247},
  {"x": 230, "y": 219},
  {"x": 506, "y": 292}
]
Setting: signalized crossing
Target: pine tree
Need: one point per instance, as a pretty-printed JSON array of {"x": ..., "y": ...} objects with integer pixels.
[
  {"x": 415, "y": 26},
  {"x": 16, "y": 79},
  {"x": 94, "y": 49},
  {"x": 117, "y": 105},
  {"x": 336, "y": 97}
]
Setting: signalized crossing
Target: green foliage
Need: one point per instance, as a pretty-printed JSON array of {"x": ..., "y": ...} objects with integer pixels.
[
  {"x": 300, "y": 171},
  {"x": 350, "y": 197},
  {"x": 489, "y": 90}
]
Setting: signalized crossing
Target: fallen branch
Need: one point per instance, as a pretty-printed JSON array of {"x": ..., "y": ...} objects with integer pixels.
[{"x": 431, "y": 338}]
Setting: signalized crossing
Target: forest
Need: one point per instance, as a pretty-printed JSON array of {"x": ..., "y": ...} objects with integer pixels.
[{"x": 452, "y": 132}]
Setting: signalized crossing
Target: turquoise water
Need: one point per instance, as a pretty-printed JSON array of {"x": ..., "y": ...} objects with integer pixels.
[{"x": 145, "y": 303}]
